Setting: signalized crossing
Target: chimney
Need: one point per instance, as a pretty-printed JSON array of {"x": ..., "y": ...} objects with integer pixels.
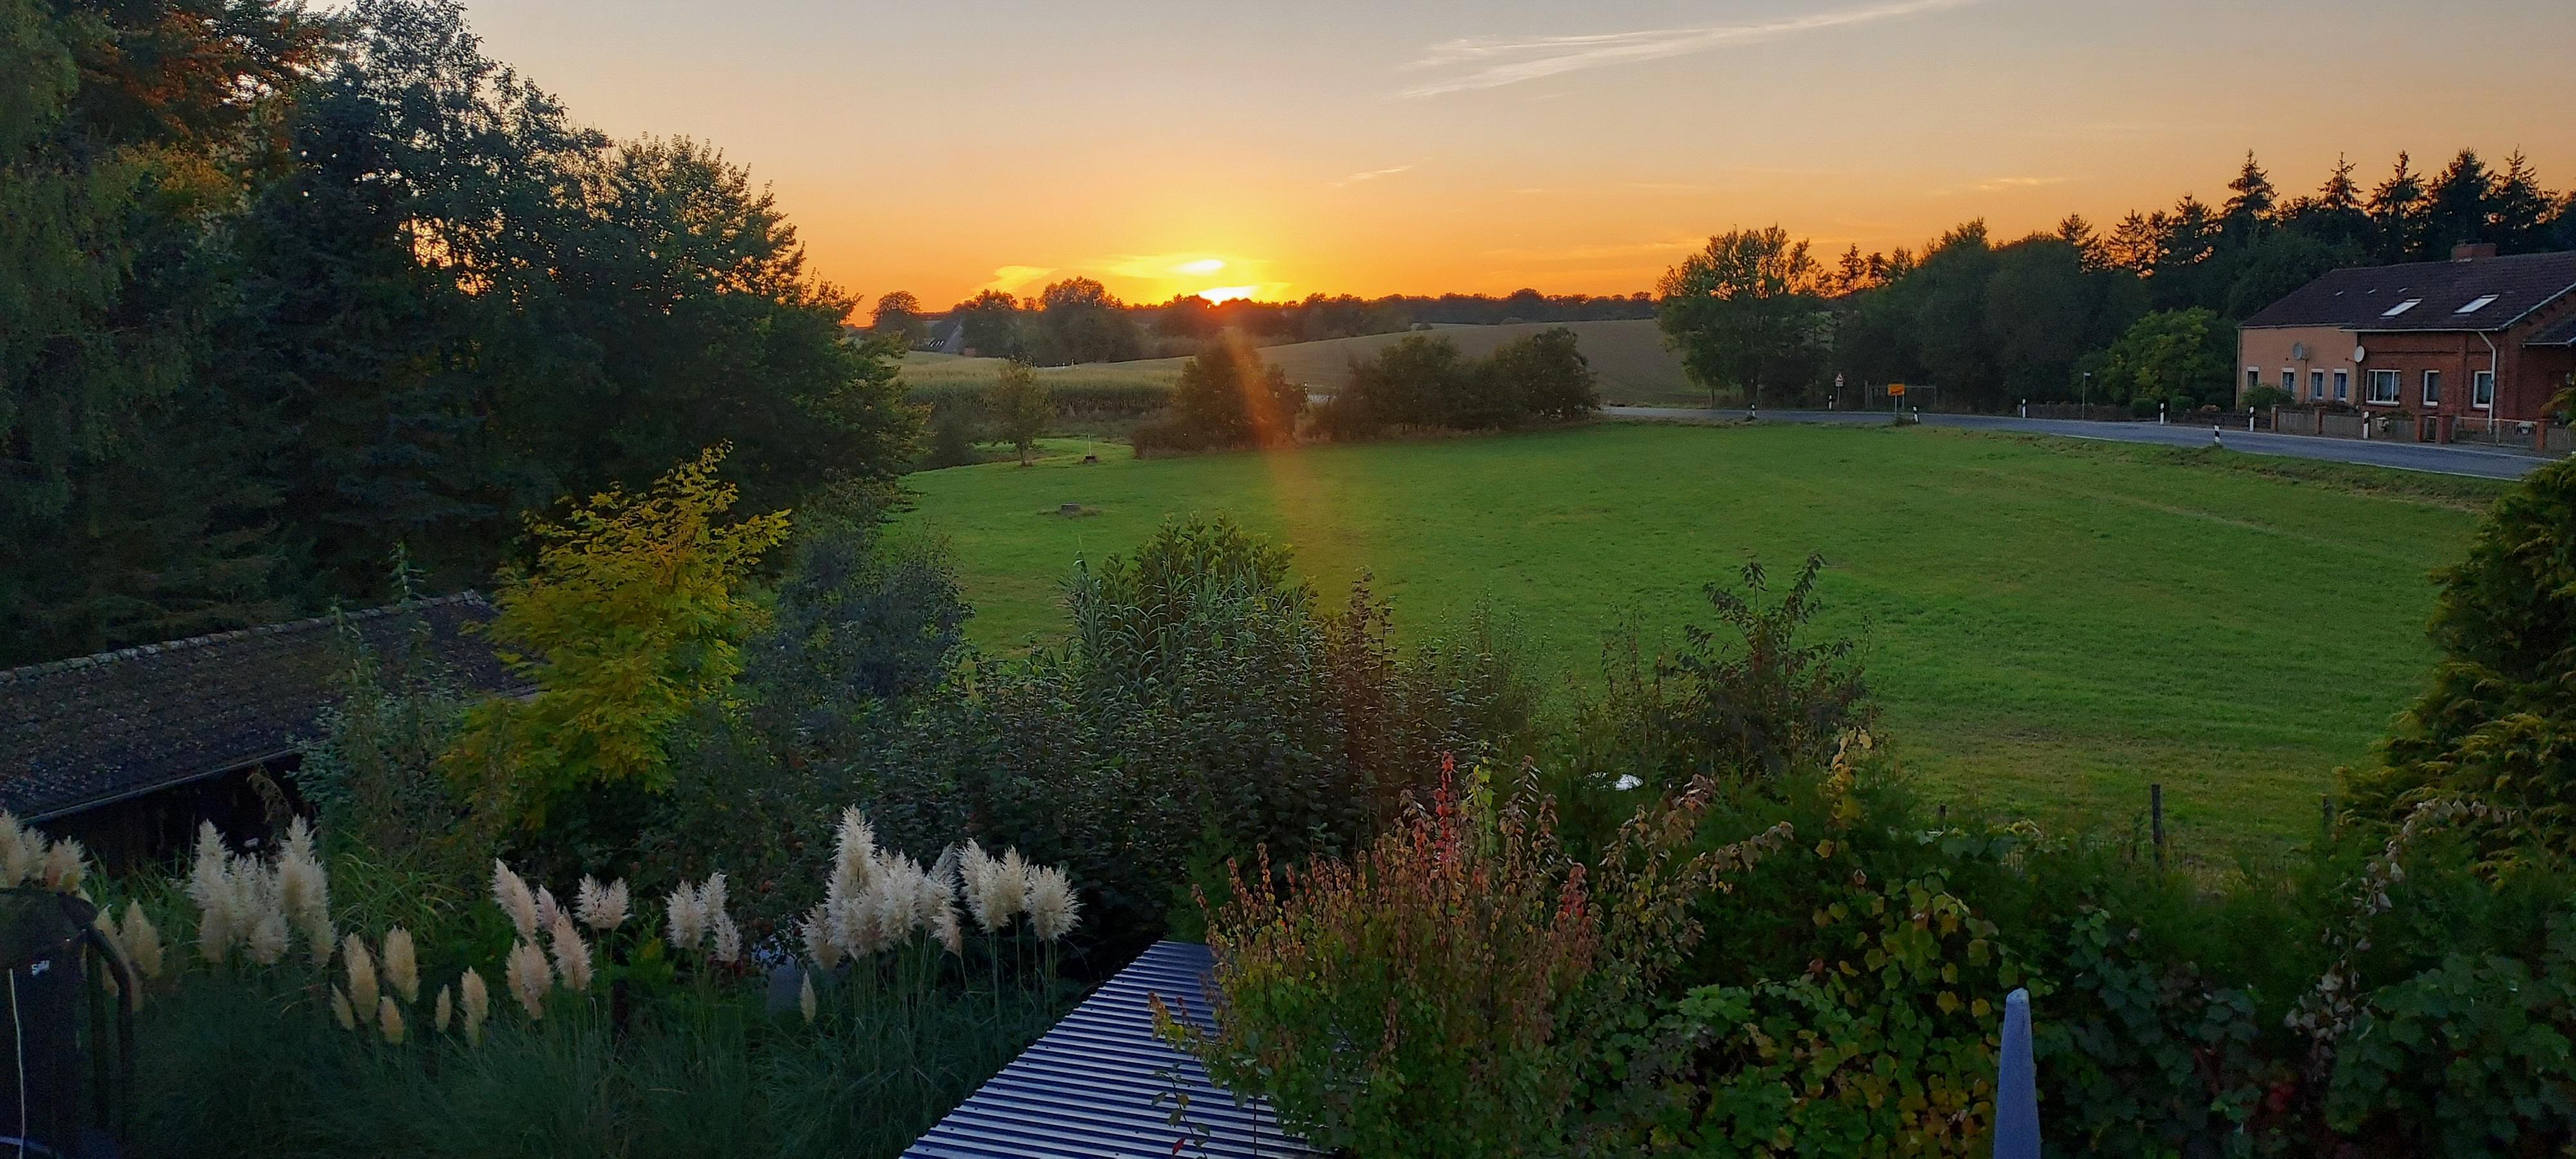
[{"x": 2469, "y": 251}]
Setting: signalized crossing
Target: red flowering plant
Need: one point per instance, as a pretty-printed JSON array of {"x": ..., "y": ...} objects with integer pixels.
[{"x": 1438, "y": 994}]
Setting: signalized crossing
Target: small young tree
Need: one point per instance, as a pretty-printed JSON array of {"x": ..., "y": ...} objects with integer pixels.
[
  {"x": 635, "y": 613},
  {"x": 1019, "y": 407}
]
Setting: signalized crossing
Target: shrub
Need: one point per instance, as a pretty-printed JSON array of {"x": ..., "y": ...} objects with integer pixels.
[
  {"x": 1885, "y": 1046},
  {"x": 2266, "y": 397},
  {"x": 636, "y": 611},
  {"x": 2498, "y": 724},
  {"x": 952, "y": 435},
  {"x": 1205, "y": 704},
  {"x": 1226, "y": 398},
  {"x": 1747, "y": 698},
  {"x": 1408, "y": 1003},
  {"x": 1441, "y": 993}
]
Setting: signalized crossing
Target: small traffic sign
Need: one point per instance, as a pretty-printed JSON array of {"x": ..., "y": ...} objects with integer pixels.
[{"x": 1896, "y": 390}]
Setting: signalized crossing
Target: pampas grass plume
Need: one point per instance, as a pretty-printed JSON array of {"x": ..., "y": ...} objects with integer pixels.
[
  {"x": 402, "y": 965},
  {"x": 572, "y": 955},
  {"x": 210, "y": 886},
  {"x": 820, "y": 944},
  {"x": 142, "y": 943},
  {"x": 304, "y": 890},
  {"x": 530, "y": 977},
  {"x": 443, "y": 1011},
  {"x": 389, "y": 1019},
  {"x": 1053, "y": 909},
  {"x": 340, "y": 1010},
  {"x": 602, "y": 908},
  {"x": 21, "y": 850},
  {"x": 267, "y": 941},
  {"x": 65, "y": 866},
  {"x": 362, "y": 972},
  {"x": 511, "y": 892},
  {"x": 805, "y": 998},
  {"x": 728, "y": 940},
  {"x": 688, "y": 919},
  {"x": 478, "y": 1005}
]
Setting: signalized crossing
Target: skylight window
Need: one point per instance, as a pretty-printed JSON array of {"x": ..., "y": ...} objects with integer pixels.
[
  {"x": 2400, "y": 308},
  {"x": 2474, "y": 307}
]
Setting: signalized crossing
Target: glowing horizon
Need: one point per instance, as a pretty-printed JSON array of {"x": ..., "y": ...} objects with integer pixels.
[{"x": 1346, "y": 148}]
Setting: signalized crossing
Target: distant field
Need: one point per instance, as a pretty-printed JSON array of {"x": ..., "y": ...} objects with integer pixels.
[
  {"x": 1629, "y": 356},
  {"x": 2051, "y": 625}
]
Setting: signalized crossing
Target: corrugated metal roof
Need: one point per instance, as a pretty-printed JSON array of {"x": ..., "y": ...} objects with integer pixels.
[{"x": 1100, "y": 1085}]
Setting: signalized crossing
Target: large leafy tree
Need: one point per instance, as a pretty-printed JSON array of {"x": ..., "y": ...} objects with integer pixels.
[
  {"x": 129, "y": 485},
  {"x": 1745, "y": 312},
  {"x": 2179, "y": 357},
  {"x": 1079, "y": 320}
]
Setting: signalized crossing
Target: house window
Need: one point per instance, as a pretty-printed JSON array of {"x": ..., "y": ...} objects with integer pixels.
[
  {"x": 2482, "y": 389},
  {"x": 2476, "y": 304},
  {"x": 2400, "y": 308},
  {"x": 2253, "y": 379},
  {"x": 2343, "y": 386},
  {"x": 2383, "y": 387},
  {"x": 2290, "y": 382},
  {"x": 2316, "y": 386},
  {"x": 2432, "y": 388}
]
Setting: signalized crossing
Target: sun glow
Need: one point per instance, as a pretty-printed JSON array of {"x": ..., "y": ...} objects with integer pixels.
[
  {"x": 1216, "y": 294},
  {"x": 1200, "y": 268}
]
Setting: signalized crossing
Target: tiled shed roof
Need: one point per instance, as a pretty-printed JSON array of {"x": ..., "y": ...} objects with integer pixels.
[
  {"x": 1099, "y": 1085},
  {"x": 84, "y": 732},
  {"x": 2561, "y": 334},
  {"x": 2502, "y": 290}
]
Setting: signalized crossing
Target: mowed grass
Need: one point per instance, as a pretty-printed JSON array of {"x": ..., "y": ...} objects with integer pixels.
[
  {"x": 1628, "y": 358},
  {"x": 2051, "y": 625}
]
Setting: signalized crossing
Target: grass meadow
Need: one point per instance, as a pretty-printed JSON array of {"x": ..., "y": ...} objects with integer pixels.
[{"x": 2051, "y": 625}]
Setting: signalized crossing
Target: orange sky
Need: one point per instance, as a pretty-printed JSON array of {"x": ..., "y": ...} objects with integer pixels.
[{"x": 1336, "y": 146}]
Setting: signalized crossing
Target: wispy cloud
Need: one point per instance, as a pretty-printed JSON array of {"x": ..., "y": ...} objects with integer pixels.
[
  {"x": 1009, "y": 279},
  {"x": 1494, "y": 61},
  {"x": 1371, "y": 175},
  {"x": 1998, "y": 183}
]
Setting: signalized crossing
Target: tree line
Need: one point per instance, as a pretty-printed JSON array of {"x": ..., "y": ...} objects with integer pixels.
[
  {"x": 2145, "y": 313},
  {"x": 1078, "y": 320},
  {"x": 285, "y": 291}
]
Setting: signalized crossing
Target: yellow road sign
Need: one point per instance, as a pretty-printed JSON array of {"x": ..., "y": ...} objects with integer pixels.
[{"x": 1896, "y": 390}]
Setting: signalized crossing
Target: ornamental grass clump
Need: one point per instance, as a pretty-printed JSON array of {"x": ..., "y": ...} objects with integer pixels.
[
  {"x": 889, "y": 919},
  {"x": 28, "y": 858}
]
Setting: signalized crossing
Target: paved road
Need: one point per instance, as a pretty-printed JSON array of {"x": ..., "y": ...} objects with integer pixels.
[{"x": 2445, "y": 460}]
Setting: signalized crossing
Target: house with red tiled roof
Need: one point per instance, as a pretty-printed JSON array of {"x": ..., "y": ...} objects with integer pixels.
[{"x": 2477, "y": 340}]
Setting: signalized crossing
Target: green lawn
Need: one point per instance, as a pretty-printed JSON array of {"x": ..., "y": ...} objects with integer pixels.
[{"x": 2051, "y": 625}]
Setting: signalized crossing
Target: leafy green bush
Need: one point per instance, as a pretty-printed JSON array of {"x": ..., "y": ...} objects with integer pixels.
[
  {"x": 1748, "y": 697},
  {"x": 1424, "y": 382},
  {"x": 1226, "y": 398},
  {"x": 1204, "y": 705},
  {"x": 2498, "y": 724}
]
